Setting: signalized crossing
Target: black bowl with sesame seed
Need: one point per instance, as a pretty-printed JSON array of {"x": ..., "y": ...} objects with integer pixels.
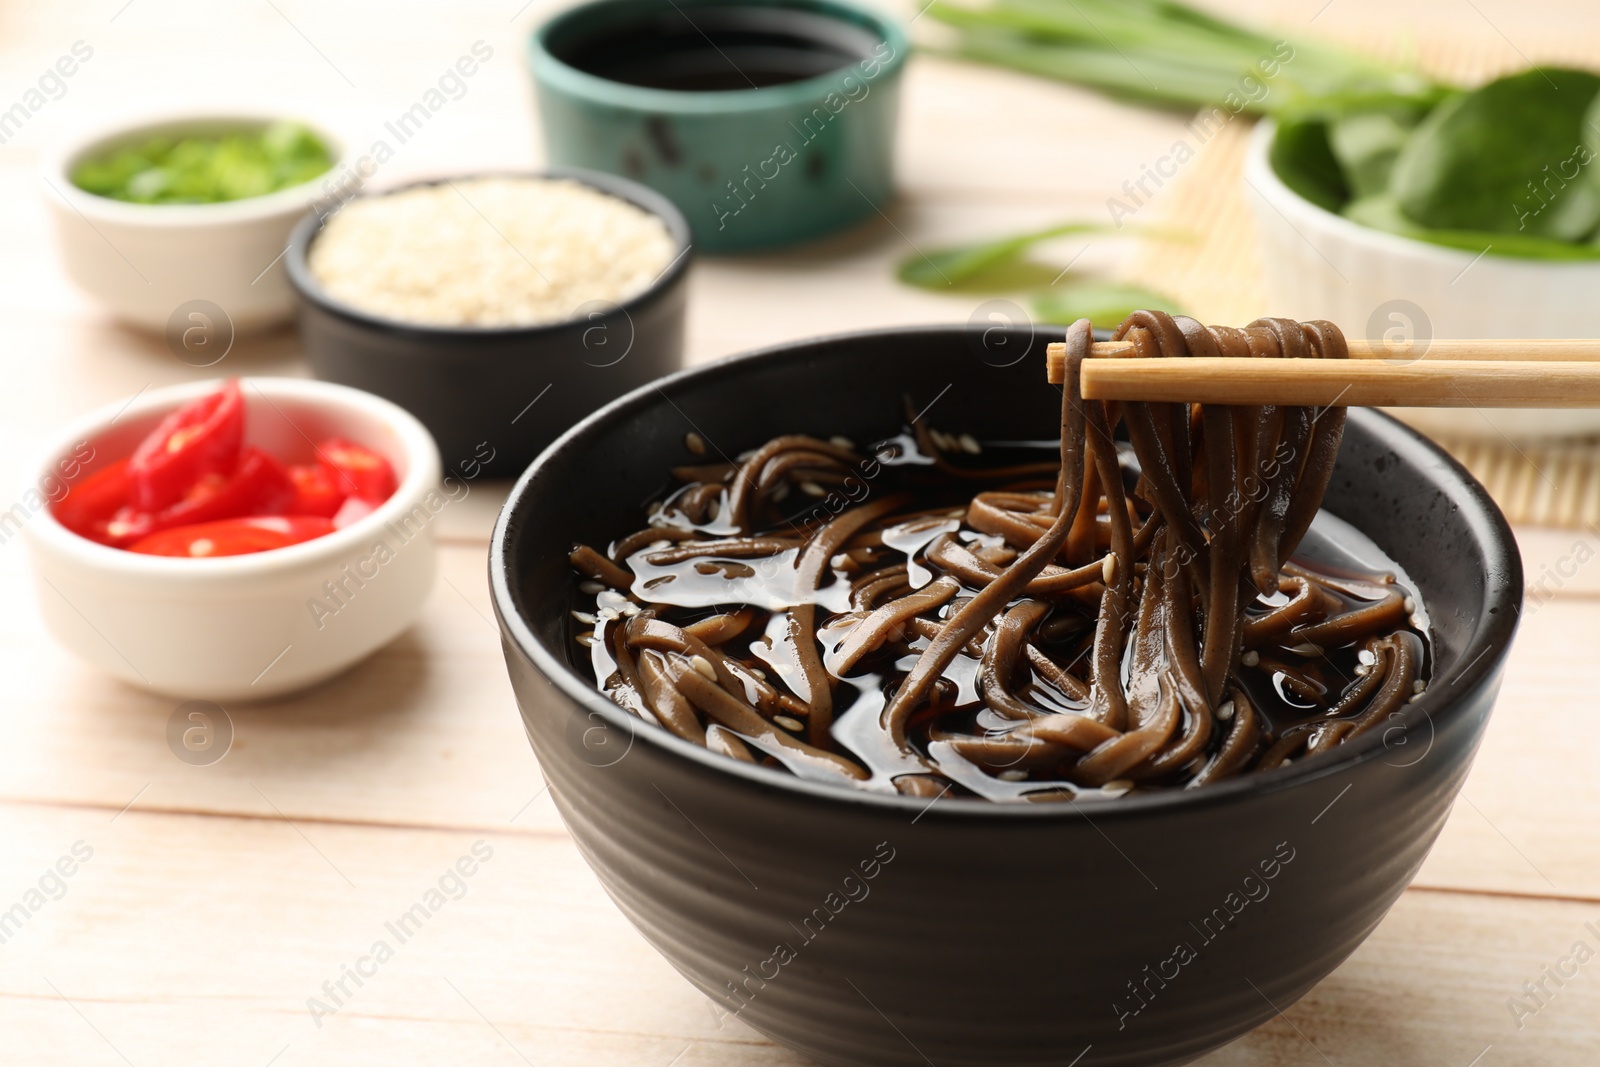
[{"x": 494, "y": 396}]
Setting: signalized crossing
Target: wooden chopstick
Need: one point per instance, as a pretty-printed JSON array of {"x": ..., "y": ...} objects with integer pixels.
[
  {"x": 1490, "y": 373},
  {"x": 1493, "y": 349}
]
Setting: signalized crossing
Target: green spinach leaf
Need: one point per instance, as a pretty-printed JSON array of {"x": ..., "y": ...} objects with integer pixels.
[
  {"x": 988, "y": 264},
  {"x": 1383, "y": 213},
  {"x": 1303, "y": 158},
  {"x": 1366, "y": 144},
  {"x": 1512, "y": 157},
  {"x": 1105, "y": 304}
]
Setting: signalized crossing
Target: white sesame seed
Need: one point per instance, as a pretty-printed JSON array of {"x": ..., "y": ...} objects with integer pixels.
[
  {"x": 1418, "y": 686},
  {"x": 970, "y": 444},
  {"x": 1108, "y": 569},
  {"x": 586, "y": 639},
  {"x": 590, "y": 586},
  {"x": 1116, "y": 787},
  {"x": 1225, "y": 712},
  {"x": 201, "y": 546},
  {"x": 1250, "y": 658},
  {"x": 694, "y": 443},
  {"x": 789, "y": 722},
  {"x": 812, "y": 489},
  {"x": 1307, "y": 649},
  {"x": 656, "y": 546},
  {"x": 1013, "y": 775},
  {"x": 583, "y": 616},
  {"x": 758, "y": 672},
  {"x": 501, "y": 251},
  {"x": 703, "y": 665},
  {"x": 1410, "y": 605},
  {"x": 842, "y": 442}
]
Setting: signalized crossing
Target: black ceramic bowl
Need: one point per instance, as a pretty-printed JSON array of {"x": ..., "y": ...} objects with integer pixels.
[
  {"x": 500, "y": 392},
  {"x": 865, "y": 929}
]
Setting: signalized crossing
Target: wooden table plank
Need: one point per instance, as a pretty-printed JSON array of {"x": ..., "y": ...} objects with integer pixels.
[
  {"x": 218, "y": 901},
  {"x": 168, "y": 935},
  {"x": 1527, "y": 819},
  {"x": 425, "y": 732},
  {"x": 1431, "y": 987}
]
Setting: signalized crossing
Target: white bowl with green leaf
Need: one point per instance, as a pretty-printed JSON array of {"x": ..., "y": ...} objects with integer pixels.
[
  {"x": 1388, "y": 202},
  {"x": 1475, "y": 217}
]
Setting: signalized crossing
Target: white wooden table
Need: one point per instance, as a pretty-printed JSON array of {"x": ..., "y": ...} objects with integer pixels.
[{"x": 208, "y": 905}]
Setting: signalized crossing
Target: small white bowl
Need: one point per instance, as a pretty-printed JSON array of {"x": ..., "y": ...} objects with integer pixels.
[
  {"x": 1320, "y": 265},
  {"x": 144, "y": 261},
  {"x": 252, "y": 626}
]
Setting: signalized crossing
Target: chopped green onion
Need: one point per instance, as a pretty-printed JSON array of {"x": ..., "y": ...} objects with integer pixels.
[{"x": 207, "y": 170}]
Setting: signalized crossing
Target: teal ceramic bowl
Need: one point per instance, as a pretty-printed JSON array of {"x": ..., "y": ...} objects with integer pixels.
[{"x": 765, "y": 121}]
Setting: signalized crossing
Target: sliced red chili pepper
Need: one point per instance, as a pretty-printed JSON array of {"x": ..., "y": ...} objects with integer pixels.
[
  {"x": 202, "y": 437},
  {"x": 91, "y": 502},
  {"x": 193, "y": 469},
  {"x": 234, "y": 537},
  {"x": 261, "y": 486},
  {"x": 363, "y": 472},
  {"x": 318, "y": 490}
]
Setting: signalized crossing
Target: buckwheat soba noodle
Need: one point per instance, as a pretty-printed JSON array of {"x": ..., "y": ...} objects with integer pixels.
[{"x": 1153, "y": 609}]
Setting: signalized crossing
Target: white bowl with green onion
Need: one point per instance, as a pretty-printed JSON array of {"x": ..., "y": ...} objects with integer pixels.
[{"x": 156, "y": 212}]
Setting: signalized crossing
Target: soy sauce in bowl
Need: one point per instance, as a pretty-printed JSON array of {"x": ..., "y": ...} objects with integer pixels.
[
  {"x": 715, "y": 49},
  {"x": 695, "y": 98}
]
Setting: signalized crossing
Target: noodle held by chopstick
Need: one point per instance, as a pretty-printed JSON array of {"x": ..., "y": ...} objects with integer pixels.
[{"x": 944, "y": 624}]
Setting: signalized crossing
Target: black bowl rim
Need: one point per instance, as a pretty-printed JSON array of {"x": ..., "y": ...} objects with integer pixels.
[
  {"x": 640, "y": 196},
  {"x": 1476, "y": 509}
]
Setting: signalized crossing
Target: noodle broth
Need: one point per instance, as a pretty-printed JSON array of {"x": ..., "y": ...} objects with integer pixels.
[{"x": 1290, "y": 690}]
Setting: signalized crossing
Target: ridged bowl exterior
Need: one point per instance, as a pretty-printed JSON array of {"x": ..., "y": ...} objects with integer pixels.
[{"x": 1147, "y": 931}]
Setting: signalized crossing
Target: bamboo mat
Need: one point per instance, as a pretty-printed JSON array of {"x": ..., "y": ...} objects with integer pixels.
[{"x": 1218, "y": 274}]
